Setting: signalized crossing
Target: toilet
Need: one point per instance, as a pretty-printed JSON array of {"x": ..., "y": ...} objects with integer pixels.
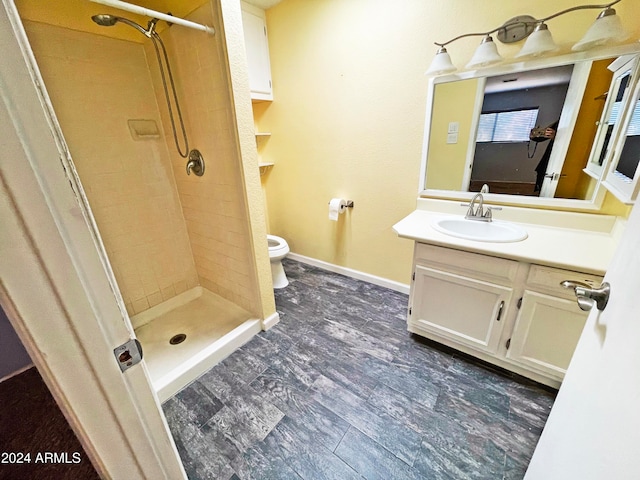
[{"x": 278, "y": 249}]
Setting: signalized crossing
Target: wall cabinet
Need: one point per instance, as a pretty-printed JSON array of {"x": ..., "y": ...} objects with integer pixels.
[
  {"x": 624, "y": 71},
  {"x": 257, "y": 49},
  {"x": 623, "y": 175},
  {"x": 513, "y": 314}
]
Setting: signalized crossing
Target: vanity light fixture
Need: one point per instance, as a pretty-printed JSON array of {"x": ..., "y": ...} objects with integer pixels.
[
  {"x": 441, "y": 63},
  {"x": 538, "y": 43},
  {"x": 607, "y": 29},
  {"x": 486, "y": 54}
]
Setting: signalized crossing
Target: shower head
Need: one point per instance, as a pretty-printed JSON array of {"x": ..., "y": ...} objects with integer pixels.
[{"x": 106, "y": 20}]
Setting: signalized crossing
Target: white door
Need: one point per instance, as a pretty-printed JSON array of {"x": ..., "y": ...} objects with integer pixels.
[
  {"x": 566, "y": 124},
  {"x": 57, "y": 287},
  {"x": 593, "y": 431}
]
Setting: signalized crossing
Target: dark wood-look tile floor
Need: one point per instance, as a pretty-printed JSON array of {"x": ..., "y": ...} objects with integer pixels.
[{"x": 340, "y": 390}]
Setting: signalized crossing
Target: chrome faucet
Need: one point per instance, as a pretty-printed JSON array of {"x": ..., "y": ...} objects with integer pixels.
[{"x": 479, "y": 213}]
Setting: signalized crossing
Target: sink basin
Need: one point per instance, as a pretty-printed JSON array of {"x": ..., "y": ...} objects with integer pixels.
[{"x": 495, "y": 231}]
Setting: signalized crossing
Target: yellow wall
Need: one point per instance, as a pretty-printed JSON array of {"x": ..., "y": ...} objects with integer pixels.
[
  {"x": 348, "y": 113},
  {"x": 453, "y": 102}
]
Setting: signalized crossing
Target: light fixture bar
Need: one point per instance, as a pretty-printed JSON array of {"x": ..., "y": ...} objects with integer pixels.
[
  {"x": 527, "y": 21},
  {"x": 129, "y": 7},
  {"x": 578, "y": 7}
]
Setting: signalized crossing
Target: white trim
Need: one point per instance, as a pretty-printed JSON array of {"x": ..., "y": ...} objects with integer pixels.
[
  {"x": 473, "y": 133},
  {"x": 422, "y": 180},
  {"x": 17, "y": 372},
  {"x": 358, "y": 275},
  {"x": 270, "y": 321}
]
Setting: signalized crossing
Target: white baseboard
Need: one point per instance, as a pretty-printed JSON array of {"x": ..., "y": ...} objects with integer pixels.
[
  {"x": 366, "y": 277},
  {"x": 270, "y": 321}
]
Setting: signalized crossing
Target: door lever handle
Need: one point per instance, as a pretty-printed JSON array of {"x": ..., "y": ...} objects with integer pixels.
[{"x": 588, "y": 296}]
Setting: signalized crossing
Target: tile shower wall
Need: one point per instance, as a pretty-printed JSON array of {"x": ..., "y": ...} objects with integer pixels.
[
  {"x": 96, "y": 84},
  {"x": 214, "y": 205}
]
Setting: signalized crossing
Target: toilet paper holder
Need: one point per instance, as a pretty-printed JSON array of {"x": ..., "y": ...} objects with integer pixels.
[{"x": 348, "y": 203}]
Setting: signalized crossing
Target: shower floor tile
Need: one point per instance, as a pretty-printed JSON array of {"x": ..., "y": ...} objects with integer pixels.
[
  {"x": 203, "y": 320},
  {"x": 340, "y": 389}
]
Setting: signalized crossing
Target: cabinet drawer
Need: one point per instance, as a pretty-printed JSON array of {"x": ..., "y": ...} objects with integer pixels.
[
  {"x": 547, "y": 280},
  {"x": 482, "y": 267}
]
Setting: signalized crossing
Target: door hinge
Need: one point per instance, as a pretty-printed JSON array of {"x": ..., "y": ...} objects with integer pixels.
[
  {"x": 128, "y": 354},
  {"x": 409, "y": 311},
  {"x": 519, "y": 303},
  {"x": 508, "y": 344},
  {"x": 413, "y": 277}
]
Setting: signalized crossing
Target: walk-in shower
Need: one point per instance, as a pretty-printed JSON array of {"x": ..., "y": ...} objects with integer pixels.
[
  {"x": 180, "y": 247},
  {"x": 195, "y": 161}
]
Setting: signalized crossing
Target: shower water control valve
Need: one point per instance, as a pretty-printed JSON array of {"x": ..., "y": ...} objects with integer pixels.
[{"x": 195, "y": 163}]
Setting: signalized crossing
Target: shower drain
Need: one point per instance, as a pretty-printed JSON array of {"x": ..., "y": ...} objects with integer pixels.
[{"x": 176, "y": 339}]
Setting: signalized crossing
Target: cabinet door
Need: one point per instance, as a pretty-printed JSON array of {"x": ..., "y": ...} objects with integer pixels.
[
  {"x": 459, "y": 308},
  {"x": 623, "y": 175},
  {"x": 546, "y": 333},
  {"x": 257, "y": 47},
  {"x": 616, "y": 99}
]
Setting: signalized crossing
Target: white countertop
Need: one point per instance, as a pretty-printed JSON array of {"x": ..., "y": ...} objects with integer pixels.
[{"x": 571, "y": 240}]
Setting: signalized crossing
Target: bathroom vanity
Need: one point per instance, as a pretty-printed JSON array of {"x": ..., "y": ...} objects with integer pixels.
[
  {"x": 503, "y": 301},
  {"x": 493, "y": 289}
]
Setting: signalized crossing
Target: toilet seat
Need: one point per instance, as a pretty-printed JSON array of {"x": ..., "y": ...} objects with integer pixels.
[
  {"x": 278, "y": 249},
  {"x": 277, "y": 246}
]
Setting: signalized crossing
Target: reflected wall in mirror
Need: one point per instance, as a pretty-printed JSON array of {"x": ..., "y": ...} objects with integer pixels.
[{"x": 478, "y": 130}]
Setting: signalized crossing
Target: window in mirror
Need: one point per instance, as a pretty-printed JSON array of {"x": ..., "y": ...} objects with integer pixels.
[
  {"x": 630, "y": 154},
  {"x": 513, "y": 126}
]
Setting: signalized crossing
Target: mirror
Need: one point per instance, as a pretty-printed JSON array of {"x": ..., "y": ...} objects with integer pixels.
[{"x": 478, "y": 131}]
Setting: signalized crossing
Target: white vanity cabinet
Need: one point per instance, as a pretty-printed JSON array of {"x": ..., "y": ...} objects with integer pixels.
[
  {"x": 461, "y": 296},
  {"x": 257, "y": 48},
  {"x": 549, "y": 322},
  {"x": 510, "y": 313}
]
